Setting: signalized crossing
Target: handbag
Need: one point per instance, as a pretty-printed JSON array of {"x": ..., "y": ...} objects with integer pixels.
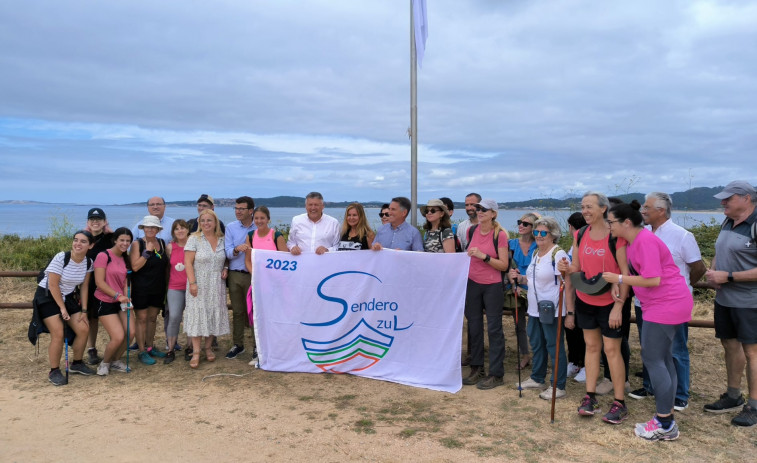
[{"x": 546, "y": 308}]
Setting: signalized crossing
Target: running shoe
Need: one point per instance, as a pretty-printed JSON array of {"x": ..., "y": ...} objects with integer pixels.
[
  {"x": 92, "y": 357},
  {"x": 588, "y": 406},
  {"x": 617, "y": 414},
  {"x": 81, "y": 368},
  {"x": 725, "y": 404},
  {"x": 547, "y": 393},
  {"x": 145, "y": 358},
  {"x": 680, "y": 405},
  {"x": 103, "y": 369},
  {"x": 580, "y": 376},
  {"x": 234, "y": 351},
  {"x": 156, "y": 353},
  {"x": 573, "y": 369},
  {"x": 640, "y": 394},
  {"x": 57, "y": 378},
  {"x": 746, "y": 418},
  {"x": 119, "y": 365},
  {"x": 653, "y": 430}
]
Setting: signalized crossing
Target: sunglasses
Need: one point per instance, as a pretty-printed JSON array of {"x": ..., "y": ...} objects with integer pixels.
[
  {"x": 383, "y": 214},
  {"x": 481, "y": 209},
  {"x": 525, "y": 224},
  {"x": 431, "y": 210},
  {"x": 542, "y": 233}
]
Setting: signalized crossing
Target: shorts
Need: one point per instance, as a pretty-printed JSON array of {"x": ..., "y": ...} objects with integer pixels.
[
  {"x": 92, "y": 306},
  {"x": 141, "y": 300},
  {"x": 589, "y": 317},
  {"x": 106, "y": 308},
  {"x": 47, "y": 307},
  {"x": 733, "y": 323}
]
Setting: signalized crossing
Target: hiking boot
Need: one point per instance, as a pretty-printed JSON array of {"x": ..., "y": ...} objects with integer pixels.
[
  {"x": 82, "y": 369},
  {"x": 234, "y": 351},
  {"x": 746, "y": 418},
  {"x": 145, "y": 358},
  {"x": 92, "y": 358},
  {"x": 119, "y": 365},
  {"x": 617, "y": 414},
  {"x": 588, "y": 406},
  {"x": 681, "y": 405},
  {"x": 725, "y": 404},
  {"x": 531, "y": 384},
  {"x": 476, "y": 375},
  {"x": 188, "y": 353},
  {"x": 170, "y": 357},
  {"x": 490, "y": 382},
  {"x": 57, "y": 378},
  {"x": 546, "y": 394},
  {"x": 640, "y": 394},
  {"x": 103, "y": 369},
  {"x": 652, "y": 430},
  {"x": 156, "y": 353},
  {"x": 580, "y": 376},
  {"x": 604, "y": 387}
]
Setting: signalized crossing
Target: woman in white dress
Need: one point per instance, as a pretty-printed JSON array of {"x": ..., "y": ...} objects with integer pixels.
[{"x": 205, "y": 262}]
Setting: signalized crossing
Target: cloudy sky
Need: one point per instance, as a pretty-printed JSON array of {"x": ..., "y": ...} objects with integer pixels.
[{"x": 112, "y": 102}]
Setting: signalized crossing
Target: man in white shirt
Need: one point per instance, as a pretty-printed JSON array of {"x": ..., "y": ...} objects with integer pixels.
[
  {"x": 470, "y": 208},
  {"x": 313, "y": 231},
  {"x": 683, "y": 247},
  {"x": 156, "y": 206}
]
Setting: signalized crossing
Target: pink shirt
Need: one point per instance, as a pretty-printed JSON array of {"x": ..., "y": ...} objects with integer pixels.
[
  {"x": 479, "y": 271},
  {"x": 115, "y": 274},
  {"x": 177, "y": 279},
  {"x": 670, "y": 303},
  {"x": 595, "y": 257},
  {"x": 267, "y": 242}
]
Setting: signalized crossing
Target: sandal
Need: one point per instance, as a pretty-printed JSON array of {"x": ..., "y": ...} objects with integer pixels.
[
  {"x": 209, "y": 355},
  {"x": 195, "y": 362}
]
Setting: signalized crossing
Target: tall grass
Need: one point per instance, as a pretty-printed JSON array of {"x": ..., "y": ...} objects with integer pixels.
[{"x": 18, "y": 253}]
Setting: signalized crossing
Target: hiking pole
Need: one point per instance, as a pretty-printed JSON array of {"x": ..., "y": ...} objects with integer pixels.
[
  {"x": 128, "y": 314},
  {"x": 65, "y": 344},
  {"x": 558, "y": 343},
  {"x": 517, "y": 347}
]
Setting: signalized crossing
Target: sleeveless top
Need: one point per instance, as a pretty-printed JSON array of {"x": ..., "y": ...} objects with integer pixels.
[
  {"x": 352, "y": 244},
  {"x": 267, "y": 242},
  {"x": 152, "y": 276},
  {"x": 177, "y": 279}
]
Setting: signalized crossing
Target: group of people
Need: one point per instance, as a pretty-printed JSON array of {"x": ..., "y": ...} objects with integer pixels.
[{"x": 180, "y": 266}]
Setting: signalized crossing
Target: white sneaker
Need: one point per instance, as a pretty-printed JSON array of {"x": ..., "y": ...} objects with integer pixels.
[
  {"x": 119, "y": 365},
  {"x": 254, "y": 363},
  {"x": 580, "y": 376},
  {"x": 604, "y": 387},
  {"x": 572, "y": 369},
  {"x": 103, "y": 369},
  {"x": 530, "y": 384},
  {"x": 547, "y": 393}
]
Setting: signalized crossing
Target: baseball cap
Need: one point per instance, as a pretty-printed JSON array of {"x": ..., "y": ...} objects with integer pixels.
[
  {"x": 96, "y": 213},
  {"x": 737, "y": 187}
]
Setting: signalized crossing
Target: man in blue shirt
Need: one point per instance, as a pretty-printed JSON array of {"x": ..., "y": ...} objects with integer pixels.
[
  {"x": 239, "y": 278},
  {"x": 398, "y": 234}
]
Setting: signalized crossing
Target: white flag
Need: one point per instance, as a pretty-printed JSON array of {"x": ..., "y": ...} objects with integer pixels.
[
  {"x": 420, "y": 24},
  {"x": 390, "y": 315}
]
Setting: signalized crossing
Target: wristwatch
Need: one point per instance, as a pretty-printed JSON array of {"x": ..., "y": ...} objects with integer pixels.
[
  {"x": 487, "y": 258},
  {"x": 730, "y": 277}
]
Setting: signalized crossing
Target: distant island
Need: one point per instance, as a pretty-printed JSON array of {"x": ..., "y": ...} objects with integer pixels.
[{"x": 694, "y": 199}]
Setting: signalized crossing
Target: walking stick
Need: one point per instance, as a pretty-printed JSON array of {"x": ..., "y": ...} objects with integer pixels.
[
  {"x": 517, "y": 347},
  {"x": 557, "y": 347},
  {"x": 128, "y": 314},
  {"x": 65, "y": 344}
]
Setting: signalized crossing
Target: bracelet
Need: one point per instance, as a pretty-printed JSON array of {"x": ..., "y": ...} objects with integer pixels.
[
  {"x": 226, "y": 268},
  {"x": 83, "y": 311},
  {"x": 620, "y": 279},
  {"x": 115, "y": 296},
  {"x": 571, "y": 313},
  {"x": 190, "y": 284}
]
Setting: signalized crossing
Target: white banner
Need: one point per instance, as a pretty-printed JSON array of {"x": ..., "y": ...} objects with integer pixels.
[{"x": 390, "y": 315}]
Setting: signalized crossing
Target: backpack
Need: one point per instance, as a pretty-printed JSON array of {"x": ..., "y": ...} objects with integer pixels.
[
  {"x": 611, "y": 242},
  {"x": 554, "y": 267},
  {"x": 495, "y": 238},
  {"x": 753, "y": 230},
  {"x": 36, "y": 326}
]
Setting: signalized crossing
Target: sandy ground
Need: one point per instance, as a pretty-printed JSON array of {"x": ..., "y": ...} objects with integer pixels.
[{"x": 172, "y": 413}]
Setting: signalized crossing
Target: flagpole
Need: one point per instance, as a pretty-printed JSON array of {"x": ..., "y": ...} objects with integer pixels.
[{"x": 413, "y": 123}]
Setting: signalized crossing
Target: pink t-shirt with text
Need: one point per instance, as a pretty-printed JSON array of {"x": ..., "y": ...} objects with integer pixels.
[{"x": 595, "y": 258}]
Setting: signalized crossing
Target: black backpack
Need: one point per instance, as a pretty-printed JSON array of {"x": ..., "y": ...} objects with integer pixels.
[
  {"x": 495, "y": 238},
  {"x": 611, "y": 241}
]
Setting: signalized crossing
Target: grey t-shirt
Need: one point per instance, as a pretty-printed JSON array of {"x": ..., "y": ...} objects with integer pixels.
[{"x": 736, "y": 251}]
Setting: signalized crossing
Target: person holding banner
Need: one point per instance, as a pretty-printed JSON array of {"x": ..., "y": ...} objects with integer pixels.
[
  {"x": 398, "y": 234},
  {"x": 356, "y": 233},
  {"x": 439, "y": 236},
  {"x": 485, "y": 293},
  {"x": 543, "y": 280}
]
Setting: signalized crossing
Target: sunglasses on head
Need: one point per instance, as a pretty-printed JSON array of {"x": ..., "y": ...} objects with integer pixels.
[
  {"x": 481, "y": 209},
  {"x": 541, "y": 233},
  {"x": 525, "y": 224},
  {"x": 383, "y": 214}
]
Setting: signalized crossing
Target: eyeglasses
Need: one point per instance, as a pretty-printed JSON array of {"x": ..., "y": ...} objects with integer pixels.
[
  {"x": 525, "y": 224},
  {"x": 481, "y": 209},
  {"x": 541, "y": 233},
  {"x": 383, "y": 214},
  {"x": 612, "y": 221},
  {"x": 241, "y": 208},
  {"x": 431, "y": 210}
]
